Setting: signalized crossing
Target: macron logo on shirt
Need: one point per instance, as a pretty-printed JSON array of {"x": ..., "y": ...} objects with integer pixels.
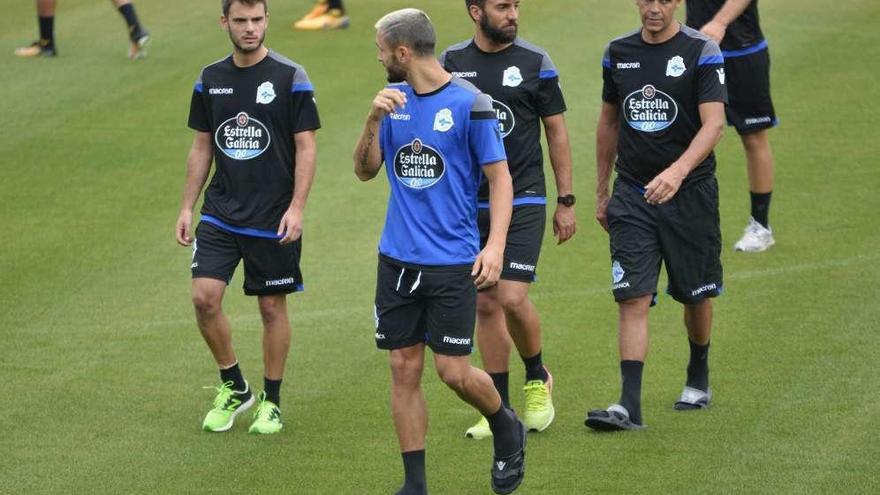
[{"x": 220, "y": 91}]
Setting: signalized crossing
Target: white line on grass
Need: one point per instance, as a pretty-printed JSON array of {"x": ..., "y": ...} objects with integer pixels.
[{"x": 297, "y": 316}]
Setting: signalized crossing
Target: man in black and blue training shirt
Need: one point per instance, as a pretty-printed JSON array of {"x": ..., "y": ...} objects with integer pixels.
[
  {"x": 436, "y": 133},
  {"x": 662, "y": 114},
  {"x": 734, "y": 24},
  {"x": 254, "y": 114},
  {"x": 524, "y": 86}
]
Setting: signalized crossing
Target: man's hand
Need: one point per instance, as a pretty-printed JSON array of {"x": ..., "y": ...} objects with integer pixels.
[
  {"x": 182, "y": 230},
  {"x": 664, "y": 186},
  {"x": 602, "y": 210},
  {"x": 386, "y": 102},
  {"x": 290, "y": 227},
  {"x": 715, "y": 30},
  {"x": 564, "y": 223},
  {"x": 487, "y": 268}
]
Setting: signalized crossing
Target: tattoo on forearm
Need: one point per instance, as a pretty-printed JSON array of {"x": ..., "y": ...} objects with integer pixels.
[{"x": 367, "y": 146}]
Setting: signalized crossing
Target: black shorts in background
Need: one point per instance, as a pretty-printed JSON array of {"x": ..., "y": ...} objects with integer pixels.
[
  {"x": 524, "y": 238},
  {"x": 684, "y": 233},
  {"x": 269, "y": 267},
  {"x": 750, "y": 107},
  {"x": 435, "y": 305}
]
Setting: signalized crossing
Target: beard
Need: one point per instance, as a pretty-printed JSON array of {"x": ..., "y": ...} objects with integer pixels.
[
  {"x": 243, "y": 50},
  {"x": 395, "y": 74},
  {"x": 497, "y": 35}
]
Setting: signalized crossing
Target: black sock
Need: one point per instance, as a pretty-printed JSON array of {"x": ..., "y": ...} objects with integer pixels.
[
  {"x": 131, "y": 18},
  {"x": 336, "y": 4},
  {"x": 273, "y": 390},
  {"x": 414, "y": 472},
  {"x": 631, "y": 396},
  {"x": 500, "y": 380},
  {"x": 535, "y": 368},
  {"x": 47, "y": 30},
  {"x": 761, "y": 208},
  {"x": 505, "y": 432},
  {"x": 698, "y": 367},
  {"x": 233, "y": 374}
]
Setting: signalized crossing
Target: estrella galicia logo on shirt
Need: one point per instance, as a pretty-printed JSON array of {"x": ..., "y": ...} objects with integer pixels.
[
  {"x": 649, "y": 109},
  {"x": 418, "y": 166},
  {"x": 242, "y": 137},
  {"x": 505, "y": 117}
]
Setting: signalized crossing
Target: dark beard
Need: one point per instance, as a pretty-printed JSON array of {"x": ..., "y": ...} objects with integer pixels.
[
  {"x": 498, "y": 36},
  {"x": 395, "y": 74},
  {"x": 245, "y": 51}
]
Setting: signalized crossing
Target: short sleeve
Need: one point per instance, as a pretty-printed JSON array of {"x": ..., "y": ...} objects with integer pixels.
[
  {"x": 198, "y": 108},
  {"x": 610, "y": 93},
  {"x": 304, "y": 111},
  {"x": 484, "y": 137},
  {"x": 549, "y": 98},
  {"x": 711, "y": 84}
]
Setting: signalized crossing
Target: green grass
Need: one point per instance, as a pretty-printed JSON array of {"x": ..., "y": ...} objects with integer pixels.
[{"x": 102, "y": 364}]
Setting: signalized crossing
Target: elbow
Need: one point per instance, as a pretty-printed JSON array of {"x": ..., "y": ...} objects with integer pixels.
[
  {"x": 719, "y": 132},
  {"x": 362, "y": 174}
]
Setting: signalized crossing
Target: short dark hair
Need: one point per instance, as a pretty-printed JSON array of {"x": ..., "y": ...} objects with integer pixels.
[
  {"x": 479, "y": 3},
  {"x": 225, "y": 4}
]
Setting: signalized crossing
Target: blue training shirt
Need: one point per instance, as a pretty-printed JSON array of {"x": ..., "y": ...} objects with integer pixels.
[{"x": 433, "y": 149}]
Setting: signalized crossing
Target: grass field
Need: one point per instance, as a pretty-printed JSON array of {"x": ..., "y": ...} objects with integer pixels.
[{"x": 102, "y": 365}]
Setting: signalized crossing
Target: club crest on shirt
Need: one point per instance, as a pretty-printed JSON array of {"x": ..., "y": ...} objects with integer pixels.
[
  {"x": 443, "y": 120},
  {"x": 675, "y": 66},
  {"x": 418, "y": 166},
  {"x": 512, "y": 77},
  {"x": 265, "y": 93}
]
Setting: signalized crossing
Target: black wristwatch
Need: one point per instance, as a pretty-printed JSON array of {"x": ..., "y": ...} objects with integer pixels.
[{"x": 567, "y": 200}]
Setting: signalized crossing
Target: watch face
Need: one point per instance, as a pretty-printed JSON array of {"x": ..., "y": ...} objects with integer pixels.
[{"x": 567, "y": 200}]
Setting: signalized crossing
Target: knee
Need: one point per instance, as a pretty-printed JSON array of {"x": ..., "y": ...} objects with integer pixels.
[
  {"x": 206, "y": 303},
  {"x": 405, "y": 369},
  {"x": 513, "y": 301},
  {"x": 453, "y": 376},
  {"x": 638, "y": 306},
  {"x": 271, "y": 307},
  {"x": 487, "y": 304}
]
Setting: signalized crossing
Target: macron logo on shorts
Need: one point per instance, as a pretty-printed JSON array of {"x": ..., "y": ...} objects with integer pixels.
[
  {"x": 521, "y": 266},
  {"x": 453, "y": 340},
  {"x": 280, "y": 281},
  {"x": 704, "y": 288}
]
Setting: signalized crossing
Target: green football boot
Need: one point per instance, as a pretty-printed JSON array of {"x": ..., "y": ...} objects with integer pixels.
[
  {"x": 480, "y": 430},
  {"x": 227, "y": 405},
  {"x": 539, "y": 411},
  {"x": 267, "y": 419}
]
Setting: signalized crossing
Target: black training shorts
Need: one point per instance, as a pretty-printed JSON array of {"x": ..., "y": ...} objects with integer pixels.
[
  {"x": 524, "y": 237},
  {"x": 684, "y": 234},
  {"x": 269, "y": 267},
  {"x": 750, "y": 108},
  {"x": 435, "y": 305}
]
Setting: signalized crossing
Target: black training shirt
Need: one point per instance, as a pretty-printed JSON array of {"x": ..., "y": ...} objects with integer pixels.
[
  {"x": 658, "y": 89},
  {"x": 524, "y": 86},
  {"x": 252, "y": 114}
]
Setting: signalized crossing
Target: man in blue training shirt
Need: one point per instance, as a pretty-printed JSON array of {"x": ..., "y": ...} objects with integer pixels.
[{"x": 436, "y": 133}]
